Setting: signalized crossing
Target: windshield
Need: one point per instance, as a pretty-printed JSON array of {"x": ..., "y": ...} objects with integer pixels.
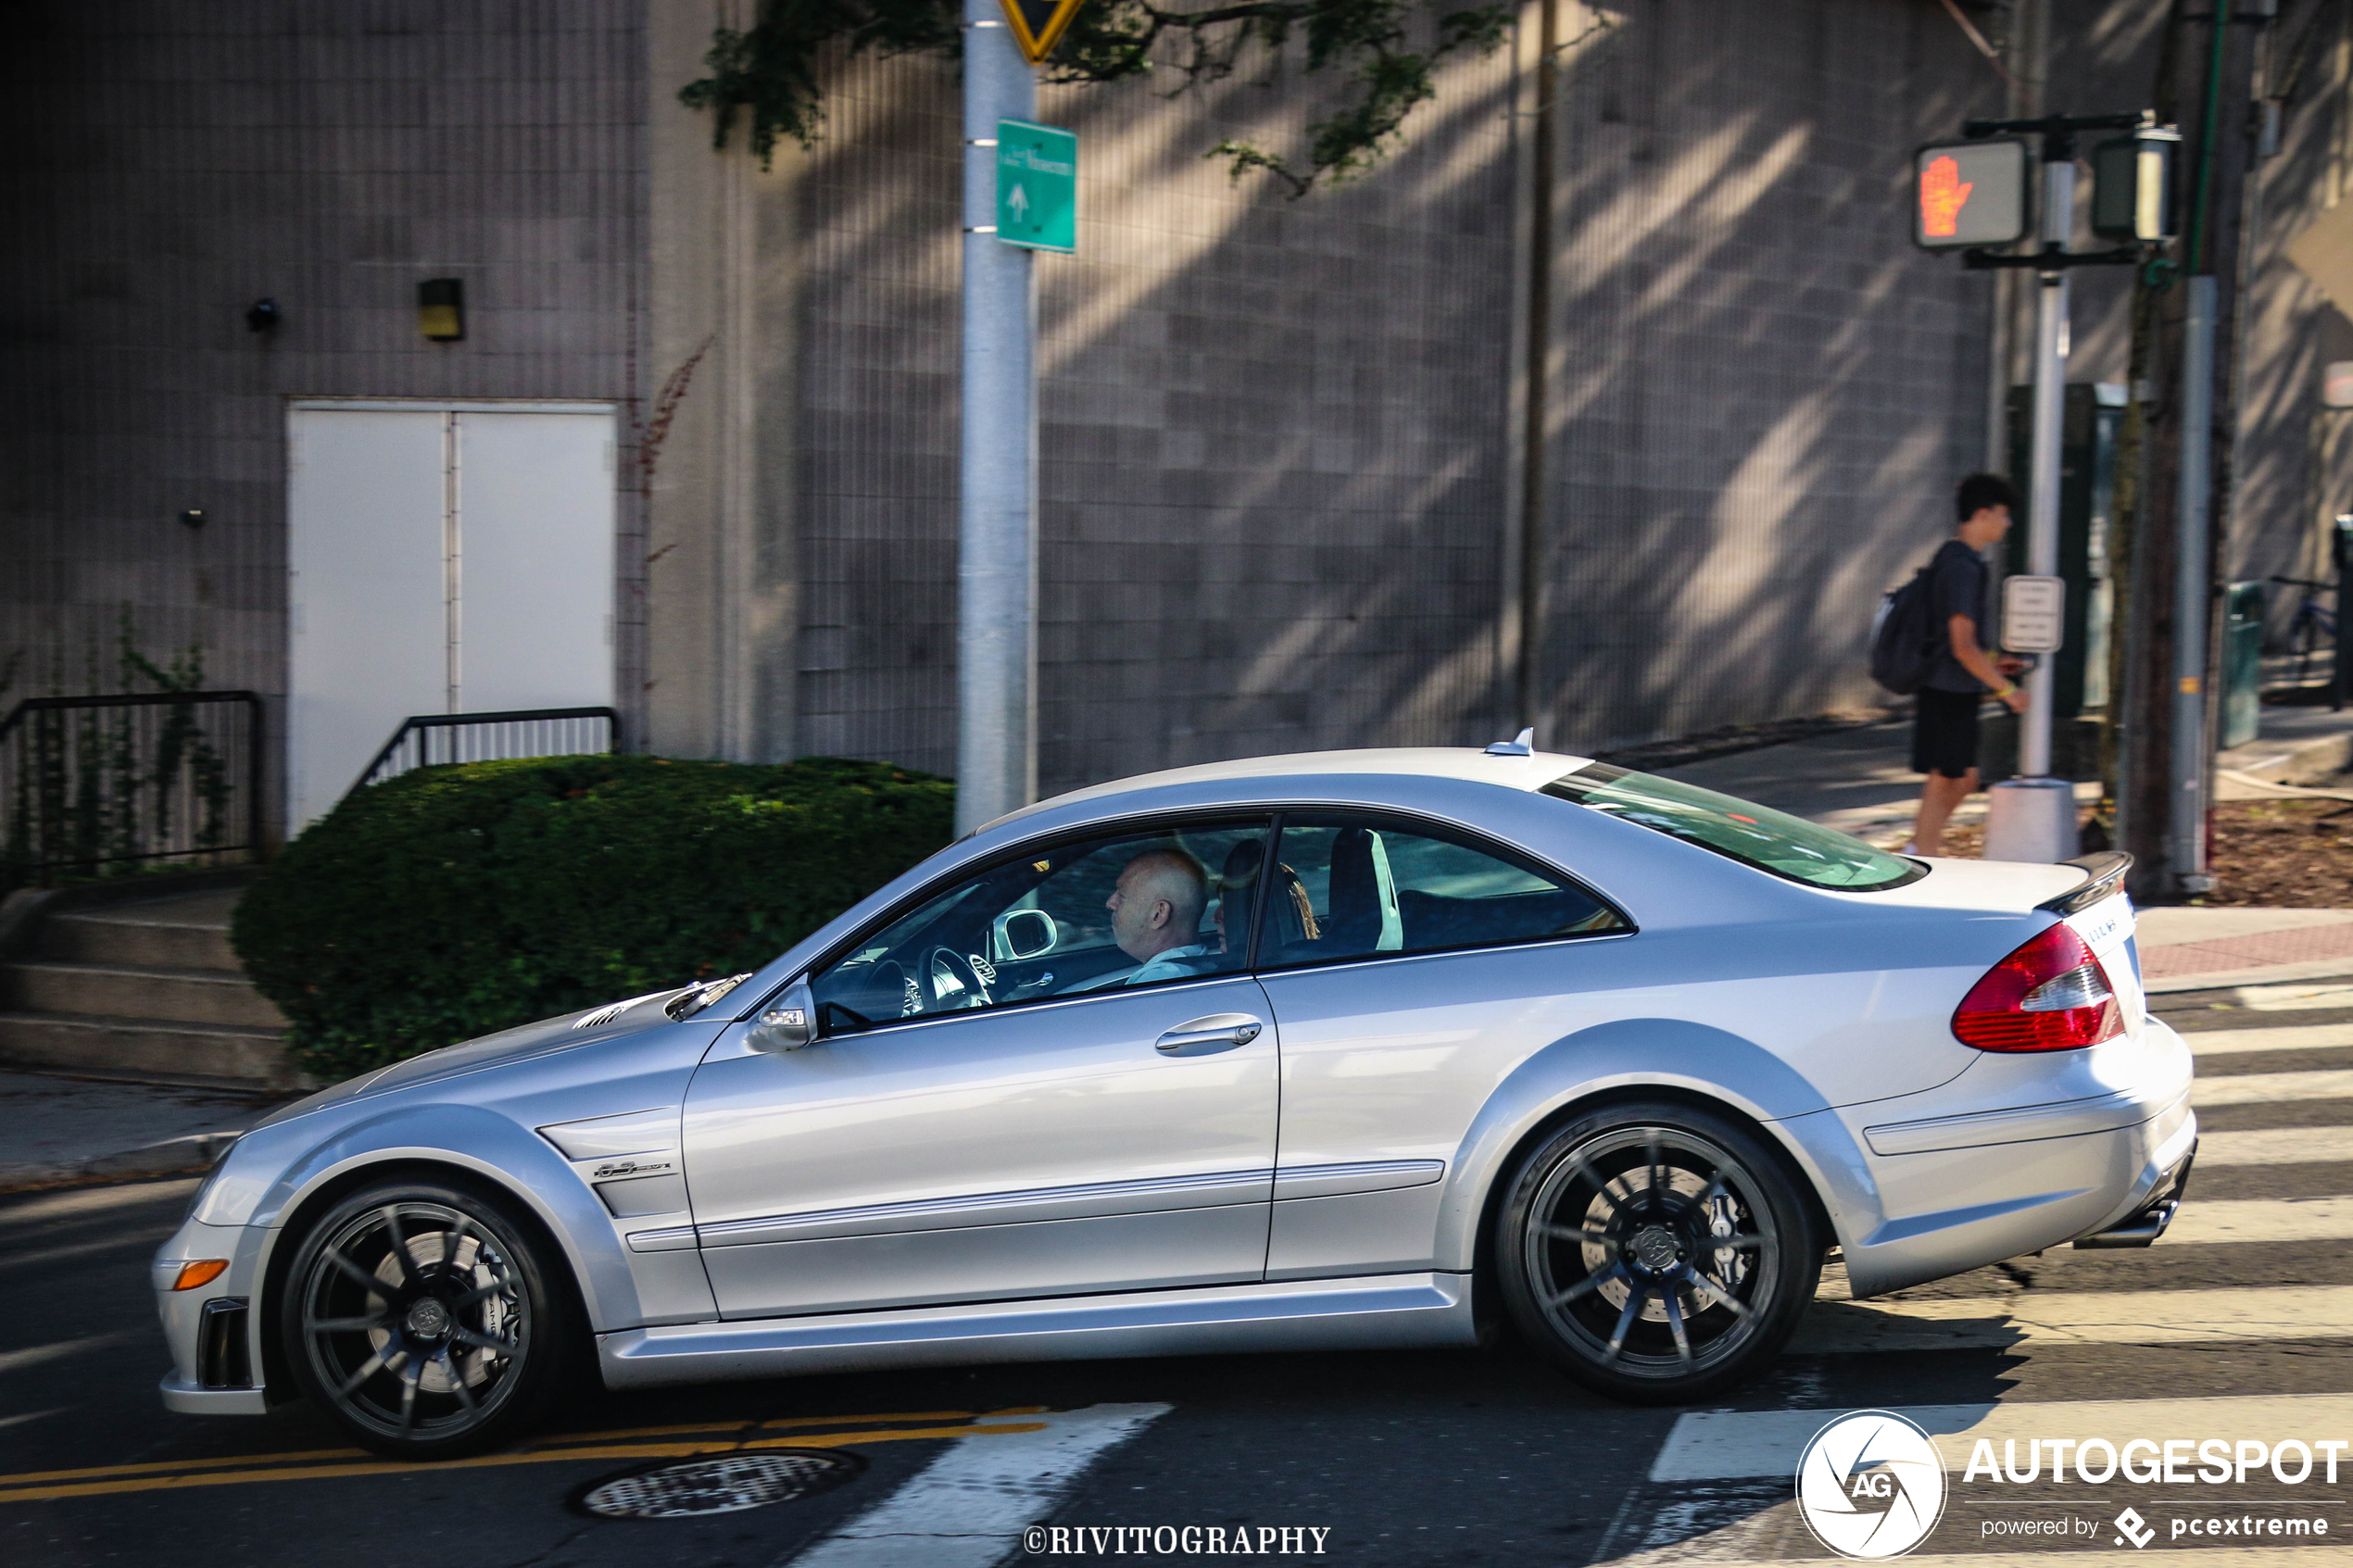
[{"x": 1755, "y": 835}]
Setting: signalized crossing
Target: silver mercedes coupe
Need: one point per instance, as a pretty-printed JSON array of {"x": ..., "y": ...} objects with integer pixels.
[{"x": 1347, "y": 1050}]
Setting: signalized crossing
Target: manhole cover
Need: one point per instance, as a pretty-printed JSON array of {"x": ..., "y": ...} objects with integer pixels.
[{"x": 686, "y": 1489}]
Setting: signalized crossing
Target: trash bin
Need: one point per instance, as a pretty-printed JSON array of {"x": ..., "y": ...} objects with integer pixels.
[{"x": 2242, "y": 663}]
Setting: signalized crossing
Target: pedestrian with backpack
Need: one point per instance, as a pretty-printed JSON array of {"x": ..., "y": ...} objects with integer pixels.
[{"x": 1932, "y": 646}]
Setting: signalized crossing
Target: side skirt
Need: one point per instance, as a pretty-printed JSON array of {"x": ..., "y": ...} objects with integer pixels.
[{"x": 1371, "y": 1312}]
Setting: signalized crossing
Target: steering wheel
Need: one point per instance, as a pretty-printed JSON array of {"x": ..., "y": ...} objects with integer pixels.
[{"x": 950, "y": 983}]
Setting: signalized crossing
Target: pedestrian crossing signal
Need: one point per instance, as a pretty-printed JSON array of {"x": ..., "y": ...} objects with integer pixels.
[
  {"x": 1968, "y": 194},
  {"x": 1039, "y": 24}
]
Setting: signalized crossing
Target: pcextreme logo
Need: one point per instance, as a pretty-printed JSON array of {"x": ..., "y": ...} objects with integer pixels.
[{"x": 1871, "y": 1485}]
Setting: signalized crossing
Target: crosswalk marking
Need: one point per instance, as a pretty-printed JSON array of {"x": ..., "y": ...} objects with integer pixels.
[
  {"x": 2287, "y": 1037},
  {"x": 1724, "y": 1475},
  {"x": 2090, "y": 1317},
  {"x": 2289, "y": 1219},
  {"x": 2294, "y": 998},
  {"x": 968, "y": 1508},
  {"x": 2272, "y": 1088},
  {"x": 1682, "y": 1556},
  {"x": 2272, "y": 1146},
  {"x": 1736, "y": 1444}
]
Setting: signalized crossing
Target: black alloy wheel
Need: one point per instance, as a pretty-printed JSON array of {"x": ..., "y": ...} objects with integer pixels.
[
  {"x": 1656, "y": 1253},
  {"x": 423, "y": 1318}
]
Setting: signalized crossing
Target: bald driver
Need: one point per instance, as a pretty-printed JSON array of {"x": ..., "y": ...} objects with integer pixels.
[{"x": 1155, "y": 918}]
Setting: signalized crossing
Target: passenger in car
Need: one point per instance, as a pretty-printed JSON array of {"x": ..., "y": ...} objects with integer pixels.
[{"x": 1155, "y": 919}]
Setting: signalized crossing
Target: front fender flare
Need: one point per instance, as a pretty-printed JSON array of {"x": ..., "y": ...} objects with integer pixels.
[
  {"x": 1659, "y": 1053},
  {"x": 507, "y": 1157}
]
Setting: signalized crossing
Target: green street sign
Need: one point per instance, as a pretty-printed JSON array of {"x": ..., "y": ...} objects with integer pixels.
[{"x": 1037, "y": 186}]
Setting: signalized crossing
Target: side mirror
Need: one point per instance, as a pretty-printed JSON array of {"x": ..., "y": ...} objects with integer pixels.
[
  {"x": 1025, "y": 933},
  {"x": 788, "y": 1023}
]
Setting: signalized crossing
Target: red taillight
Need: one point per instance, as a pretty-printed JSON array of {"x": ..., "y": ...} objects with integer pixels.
[{"x": 2050, "y": 995}]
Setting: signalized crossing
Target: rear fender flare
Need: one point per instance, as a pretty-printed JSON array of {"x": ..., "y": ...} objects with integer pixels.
[{"x": 1691, "y": 1059}]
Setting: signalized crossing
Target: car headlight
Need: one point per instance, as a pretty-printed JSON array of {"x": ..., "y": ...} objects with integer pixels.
[{"x": 203, "y": 1188}]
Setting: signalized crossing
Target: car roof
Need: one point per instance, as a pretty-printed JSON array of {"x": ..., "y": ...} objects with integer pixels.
[{"x": 1470, "y": 764}]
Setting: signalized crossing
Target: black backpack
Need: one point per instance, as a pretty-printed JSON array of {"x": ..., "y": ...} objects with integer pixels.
[{"x": 1906, "y": 640}]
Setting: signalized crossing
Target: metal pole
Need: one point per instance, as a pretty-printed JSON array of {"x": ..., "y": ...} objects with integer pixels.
[
  {"x": 996, "y": 509},
  {"x": 2032, "y": 817},
  {"x": 2185, "y": 846},
  {"x": 2050, "y": 412}
]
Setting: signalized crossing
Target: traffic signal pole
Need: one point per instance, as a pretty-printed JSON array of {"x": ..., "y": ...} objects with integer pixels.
[
  {"x": 2043, "y": 494},
  {"x": 997, "y": 497},
  {"x": 2032, "y": 817}
]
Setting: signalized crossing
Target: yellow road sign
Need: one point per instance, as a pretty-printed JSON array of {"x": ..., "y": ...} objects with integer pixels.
[{"x": 1038, "y": 24}]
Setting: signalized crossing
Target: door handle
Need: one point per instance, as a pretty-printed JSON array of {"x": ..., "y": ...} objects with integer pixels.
[{"x": 1204, "y": 1037}]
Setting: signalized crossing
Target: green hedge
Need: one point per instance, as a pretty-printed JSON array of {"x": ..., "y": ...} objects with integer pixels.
[{"x": 450, "y": 902}]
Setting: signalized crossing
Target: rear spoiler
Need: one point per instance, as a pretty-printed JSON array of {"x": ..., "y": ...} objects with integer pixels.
[{"x": 2103, "y": 878}]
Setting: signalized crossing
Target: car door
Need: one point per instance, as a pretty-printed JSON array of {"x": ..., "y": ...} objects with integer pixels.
[
  {"x": 1003, "y": 1100},
  {"x": 1403, "y": 960}
]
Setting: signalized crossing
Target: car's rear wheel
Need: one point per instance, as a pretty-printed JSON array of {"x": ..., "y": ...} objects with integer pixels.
[
  {"x": 1656, "y": 1253},
  {"x": 426, "y": 1320}
]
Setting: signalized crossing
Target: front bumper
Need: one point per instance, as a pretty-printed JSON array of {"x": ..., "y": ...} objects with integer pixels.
[
  {"x": 189, "y": 1399},
  {"x": 212, "y": 1332}
]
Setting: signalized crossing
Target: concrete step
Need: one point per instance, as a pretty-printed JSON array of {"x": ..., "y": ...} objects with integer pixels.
[
  {"x": 187, "y": 932},
  {"x": 177, "y": 996},
  {"x": 214, "y": 1056}
]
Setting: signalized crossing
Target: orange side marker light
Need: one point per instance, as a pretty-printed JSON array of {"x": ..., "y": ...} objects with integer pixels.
[{"x": 202, "y": 1271}]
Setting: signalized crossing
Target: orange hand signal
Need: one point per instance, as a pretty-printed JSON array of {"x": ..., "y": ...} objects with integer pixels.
[{"x": 1943, "y": 194}]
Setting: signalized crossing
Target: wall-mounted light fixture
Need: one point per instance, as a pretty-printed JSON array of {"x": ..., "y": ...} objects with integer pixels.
[
  {"x": 261, "y": 315},
  {"x": 441, "y": 309},
  {"x": 192, "y": 517}
]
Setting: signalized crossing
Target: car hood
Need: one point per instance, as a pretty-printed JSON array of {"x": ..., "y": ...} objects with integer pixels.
[{"x": 519, "y": 1044}]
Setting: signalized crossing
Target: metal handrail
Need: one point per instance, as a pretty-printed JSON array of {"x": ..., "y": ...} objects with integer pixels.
[
  {"x": 18, "y": 816},
  {"x": 423, "y": 724}
]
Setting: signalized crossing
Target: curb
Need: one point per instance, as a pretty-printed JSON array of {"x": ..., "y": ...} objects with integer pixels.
[
  {"x": 2228, "y": 979},
  {"x": 2310, "y": 760},
  {"x": 173, "y": 1156}
]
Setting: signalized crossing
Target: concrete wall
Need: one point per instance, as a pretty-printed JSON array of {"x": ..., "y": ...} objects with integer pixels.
[
  {"x": 1279, "y": 463},
  {"x": 171, "y": 162},
  {"x": 1272, "y": 432},
  {"x": 1759, "y": 394}
]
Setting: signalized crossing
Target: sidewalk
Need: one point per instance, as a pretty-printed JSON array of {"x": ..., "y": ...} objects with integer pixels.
[
  {"x": 1860, "y": 782},
  {"x": 74, "y": 1129}
]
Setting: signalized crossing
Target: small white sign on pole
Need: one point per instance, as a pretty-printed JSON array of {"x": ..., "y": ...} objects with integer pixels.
[{"x": 2034, "y": 614}]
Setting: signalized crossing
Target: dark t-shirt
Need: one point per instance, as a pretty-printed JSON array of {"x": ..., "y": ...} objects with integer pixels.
[{"x": 1958, "y": 586}]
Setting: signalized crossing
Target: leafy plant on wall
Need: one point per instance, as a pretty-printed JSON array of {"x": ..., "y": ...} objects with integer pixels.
[{"x": 1385, "y": 52}]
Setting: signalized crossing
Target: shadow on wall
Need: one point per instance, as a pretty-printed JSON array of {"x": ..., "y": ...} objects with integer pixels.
[
  {"x": 1271, "y": 432},
  {"x": 1762, "y": 394},
  {"x": 1274, "y": 435}
]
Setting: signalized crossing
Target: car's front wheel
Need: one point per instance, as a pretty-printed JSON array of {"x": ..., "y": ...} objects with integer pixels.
[
  {"x": 1655, "y": 1252},
  {"x": 425, "y": 1318}
]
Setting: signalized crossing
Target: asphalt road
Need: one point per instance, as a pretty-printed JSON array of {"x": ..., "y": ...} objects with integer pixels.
[{"x": 1403, "y": 1459}]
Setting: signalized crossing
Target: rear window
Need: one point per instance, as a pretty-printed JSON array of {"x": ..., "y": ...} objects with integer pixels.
[{"x": 1755, "y": 835}]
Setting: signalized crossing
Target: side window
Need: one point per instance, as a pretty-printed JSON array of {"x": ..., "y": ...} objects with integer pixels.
[
  {"x": 1348, "y": 886},
  {"x": 1112, "y": 911}
]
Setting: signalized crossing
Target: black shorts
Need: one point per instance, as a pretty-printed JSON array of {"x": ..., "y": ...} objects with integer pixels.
[{"x": 1944, "y": 732}]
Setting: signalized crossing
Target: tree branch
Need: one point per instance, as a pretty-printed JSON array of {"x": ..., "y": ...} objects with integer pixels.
[{"x": 770, "y": 72}]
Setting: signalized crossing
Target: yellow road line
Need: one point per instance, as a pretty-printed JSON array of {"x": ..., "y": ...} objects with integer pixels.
[
  {"x": 717, "y": 1427},
  {"x": 536, "y": 1456}
]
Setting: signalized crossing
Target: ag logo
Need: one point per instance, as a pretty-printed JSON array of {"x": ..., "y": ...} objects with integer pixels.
[{"x": 1872, "y": 1484}]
